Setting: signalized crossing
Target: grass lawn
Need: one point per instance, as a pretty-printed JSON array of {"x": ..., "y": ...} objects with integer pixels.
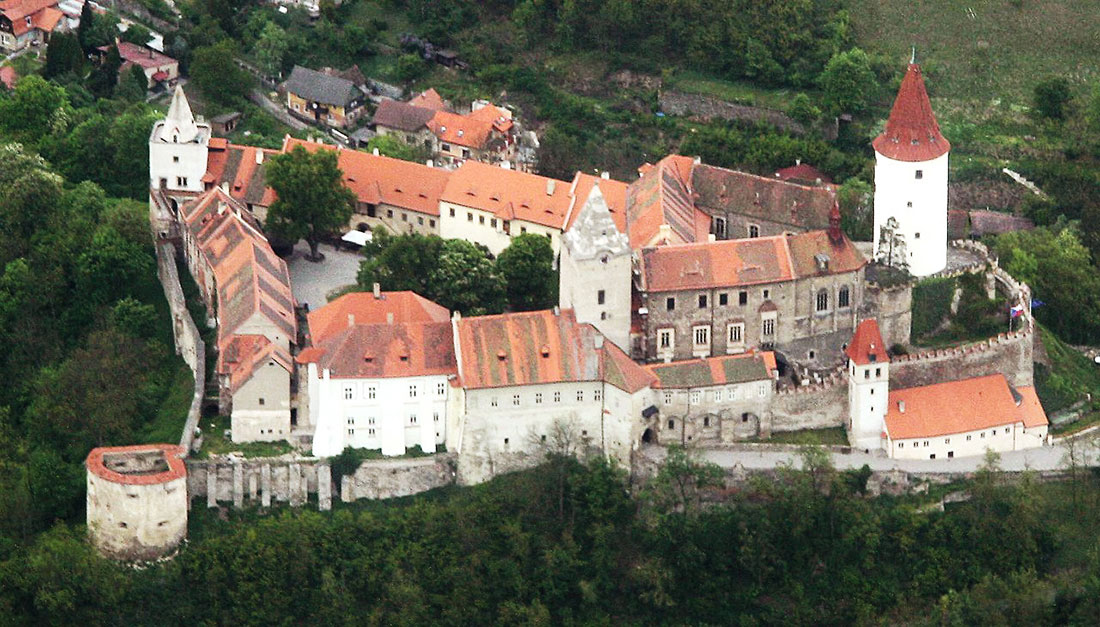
[
  {"x": 986, "y": 49},
  {"x": 172, "y": 413},
  {"x": 931, "y": 304},
  {"x": 1070, "y": 376},
  {"x": 738, "y": 92},
  {"x": 832, "y": 436},
  {"x": 214, "y": 441}
]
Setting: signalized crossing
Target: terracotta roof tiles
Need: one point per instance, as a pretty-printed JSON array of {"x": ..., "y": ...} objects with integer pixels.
[
  {"x": 509, "y": 194},
  {"x": 406, "y": 349},
  {"x": 359, "y": 308},
  {"x": 103, "y": 462},
  {"x": 961, "y": 406},
  {"x": 912, "y": 133},
  {"x": 866, "y": 346},
  {"x": 244, "y": 354},
  {"x": 721, "y": 370}
]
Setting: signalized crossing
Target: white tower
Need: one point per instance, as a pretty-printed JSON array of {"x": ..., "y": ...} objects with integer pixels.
[
  {"x": 868, "y": 386},
  {"x": 595, "y": 271},
  {"x": 178, "y": 149},
  {"x": 911, "y": 183}
]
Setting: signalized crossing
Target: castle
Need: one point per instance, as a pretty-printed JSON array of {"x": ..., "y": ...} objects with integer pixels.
[{"x": 697, "y": 304}]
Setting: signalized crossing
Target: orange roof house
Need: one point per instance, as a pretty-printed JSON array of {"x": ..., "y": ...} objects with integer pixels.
[
  {"x": 509, "y": 194},
  {"x": 243, "y": 355},
  {"x": 8, "y": 76},
  {"x": 912, "y": 133},
  {"x": 429, "y": 99},
  {"x": 359, "y": 308},
  {"x": 23, "y": 17},
  {"x": 381, "y": 350},
  {"x": 242, "y": 169},
  {"x": 960, "y": 407},
  {"x": 614, "y": 192},
  {"x": 539, "y": 347}
]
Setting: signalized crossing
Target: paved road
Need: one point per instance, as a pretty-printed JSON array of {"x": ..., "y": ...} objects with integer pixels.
[
  {"x": 311, "y": 282},
  {"x": 750, "y": 457},
  {"x": 260, "y": 98}
]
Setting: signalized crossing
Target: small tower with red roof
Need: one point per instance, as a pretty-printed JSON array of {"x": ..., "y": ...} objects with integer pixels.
[
  {"x": 911, "y": 183},
  {"x": 868, "y": 386}
]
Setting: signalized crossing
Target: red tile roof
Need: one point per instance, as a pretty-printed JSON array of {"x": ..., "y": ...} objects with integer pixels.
[
  {"x": 539, "y": 347},
  {"x": 8, "y": 76},
  {"x": 145, "y": 57},
  {"x": 614, "y": 192},
  {"x": 663, "y": 195},
  {"x": 384, "y": 180},
  {"x": 803, "y": 173},
  {"x": 43, "y": 13},
  {"x": 172, "y": 454},
  {"x": 912, "y": 133},
  {"x": 463, "y": 130},
  {"x": 236, "y": 165},
  {"x": 729, "y": 263},
  {"x": 406, "y": 349},
  {"x": 509, "y": 194},
  {"x": 719, "y": 191},
  {"x": 429, "y": 99},
  {"x": 960, "y": 407},
  {"x": 359, "y": 308},
  {"x": 243, "y": 355},
  {"x": 752, "y": 366},
  {"x": 866, "y": 346},
  {"x": 403, "y": 116},
  {"x": 498, "y": 117}
]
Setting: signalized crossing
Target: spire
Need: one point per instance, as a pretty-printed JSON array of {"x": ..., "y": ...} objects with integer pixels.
[
  {"x": 835, "y": 234},
  {"x": 911, "y": 132},
  {"x": 594, "y": 231},
  {"x": 179, "y": 125}
]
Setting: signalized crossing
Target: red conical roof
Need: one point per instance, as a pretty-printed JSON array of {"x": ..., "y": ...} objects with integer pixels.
[
  {"x": 911, "y": 133},
  {"x": 866, "y": 345}
]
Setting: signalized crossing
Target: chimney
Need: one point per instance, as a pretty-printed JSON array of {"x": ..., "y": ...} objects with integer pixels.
[
  {"x": 605, "y": 175},
  {"x": 259, "y": 156},
  {"x": 550, "y": 187},
  {"x": 225, "y": 186},
  {"x": 557, "y": 310},
  {"x": 389, "y": 317},
  {"x": 456, "y": 315},
  {"x": 545, "y": 350},
  {"x": 377, "y": 289},
  {"x": 375, "y": 151},
  {"x": 711, "y": 237},
  {"x": 665, "y": 232},
  {"x": 429, "y": 163},
  {"x": 501, "y": 355},
  {"x": 597, "y": 341},
  {"x": 351, "y": 320},
  {"x": 798, "y": 162},
  {"x": 901, "y": 407}
]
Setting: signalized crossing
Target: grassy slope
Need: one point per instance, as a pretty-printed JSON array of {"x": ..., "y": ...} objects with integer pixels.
[
  {"x": 1000, "y": 53},
  {"x": 1077, "y": 375}
]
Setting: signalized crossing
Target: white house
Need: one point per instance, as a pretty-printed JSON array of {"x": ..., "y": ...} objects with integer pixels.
[
  {"x": 911, "y": 156},
  {"x": 964, "y": 418},
  {"x": 379, "y": 373},
  {"x": 530, "y": 378}
]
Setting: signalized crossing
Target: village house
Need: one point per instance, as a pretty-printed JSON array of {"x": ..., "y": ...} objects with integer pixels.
[
  {"x": 161, "y": 70},
  {"x": 28, "y": 22},
  {"x": 539, "y": 381},
  {"x": 408, "y": 121},
  {"x": 323, "y": 98},
  {"x": 379, "y": 373},
  {"x": 717, "y": 399}
]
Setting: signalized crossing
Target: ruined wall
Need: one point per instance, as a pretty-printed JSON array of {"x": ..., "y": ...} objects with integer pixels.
[
  {"x": 261, "y": 481},
  {"x": 814, "y": 406},
  {"x": 390, "y": 478},
  {"x": 189, "y": 344},
  {"x": 678, "y": 103}
]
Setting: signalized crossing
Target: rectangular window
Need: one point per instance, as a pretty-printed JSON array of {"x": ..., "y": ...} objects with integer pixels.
[
  {"x": 370, "y": 433},
  {"x": 597, "y": 395},
  {"x": 878, "y": 372},
  {"x": 580, "y": 396},
  {"x": 370, "y": 421},
  {"x": 371, "y": 392},
  {"x": 389, "y": 213},
  {"x": 515, "y": 399},
  {"x": 735, "y": 333},
  {"x": 668, "y": 398},
  {"x": 452, "y": 212},
  {"x": 412, "y": 391},
  {"x": 696, "y": 397},
  {"x": 469, "y": 217},
  {"x": 754, "y": 231},
  {"x": 769, "y": 327},
  {"x": 261, "y": 401},
  {"x": 445, "y": 147},
  {"x": 481, "y": 219},
  {"x": 718, "y": 396},
  {"x": 920, "y": 174},
  {"x": 762, "y": 390},
  {"x": 420, "y": 221},
  {"x": 493, "y": 401},
  {"x": 557, "y": 397},
  {"x": 664, "y": 338},
  {"x": 723, "y": 299},
  {"x": 742, "y": 298},
  {"x": 538, "y": 398},
  {"x": 702, "y": 301},
  {"x": 348, "y": 393},
  {"x": 440, "y": 389},
  {"x": 431, "y": 223},
  {"x": 720, "y": 228},
  {"x": 435, "y": 416},
  {"x": 404, "y": 217},
  {"x": 731, "y": 394},
  {"x": 601, "y": 297},
  {"x": 412, "y": 419},
  {"x": 493, "y": 222},
  {"x": 701, "y": 336},
  {"x": 670, "y": 303},
  {"x": 351, "y": 431},
  {"x": 767, "y": 294}
]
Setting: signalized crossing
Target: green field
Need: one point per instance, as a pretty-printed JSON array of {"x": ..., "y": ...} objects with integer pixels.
[{"x": 1000, "y": 51}]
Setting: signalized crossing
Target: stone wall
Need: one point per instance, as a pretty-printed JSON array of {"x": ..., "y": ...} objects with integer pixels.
[
  {"x": 189, "y": 344},
  {"x": 892, "y": 307},
  {"x": 390, "y": 478},
  {"x": 261, "y": 481},
  {"x": 706, "y": 107},
  {"x": 815, "y": 406}
]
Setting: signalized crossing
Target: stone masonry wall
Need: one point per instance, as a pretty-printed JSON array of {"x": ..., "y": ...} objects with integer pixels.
[
  {"x": 678, "y": 103},
  {"x": 814, "y": 406},
  {"x": 189, "y": 344},
  {"x": 390, "y": 478}
]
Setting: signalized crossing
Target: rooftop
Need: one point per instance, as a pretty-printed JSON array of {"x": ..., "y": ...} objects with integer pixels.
[
  {"x": 866, "y": 346},
  {"x": 912, "y": 133},
  {"x": 693, "y": 373},
  {"x": 359, "y": 308},
  {"x": 509, "y": 194},
  {"x": 320, "y": 87},
  {"x": 140, "y": 464},
  {"x": 960, "y": 407}
]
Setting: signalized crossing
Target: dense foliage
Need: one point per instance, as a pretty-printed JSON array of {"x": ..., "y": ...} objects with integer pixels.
[{"x": 312, "y": 199}]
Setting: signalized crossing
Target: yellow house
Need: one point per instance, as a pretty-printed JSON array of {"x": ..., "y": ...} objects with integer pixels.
[{"x": 322, "y": 98}]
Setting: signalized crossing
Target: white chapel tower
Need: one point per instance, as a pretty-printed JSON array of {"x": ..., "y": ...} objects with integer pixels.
[
  {"x": 595, "y": 271},
  {"x": 868, "y": 386},
  {"x": 178, "y": 148},
  {"x": 911, "y": 183}
]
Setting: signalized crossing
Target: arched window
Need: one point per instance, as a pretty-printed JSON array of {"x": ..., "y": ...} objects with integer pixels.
[
  {"x": 843, "y": 298},
  {"x": 822, "y": 300}
]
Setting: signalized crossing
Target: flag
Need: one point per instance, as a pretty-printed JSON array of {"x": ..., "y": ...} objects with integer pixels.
[
  {"x": 1035, "y": 302},
  {"x": 1016, "y": 311}
]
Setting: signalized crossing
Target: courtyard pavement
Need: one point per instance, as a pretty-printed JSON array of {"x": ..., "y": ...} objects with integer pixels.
[{"x": 312, "y": 282}]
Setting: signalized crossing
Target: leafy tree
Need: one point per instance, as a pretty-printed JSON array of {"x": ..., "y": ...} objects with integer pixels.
[
  {"x": 856, "y": 216},
  {"x": 103, "y": 80},
  {"x": 83, "y": 31},
  {"x": 804, "y": 111},
  {"x": 527, "y": 266},
  {"x": 133, "y": 317},
  {"x": 217, "y": 74},
  {"x": 133, "y": 84},
  {"x": 392, "y": 146},
  {"x": 401, "y": 262},
  {"x": 312, "y": 200},
  {"x": 102, "y": 31},
  {"x": 680, "y": 483},
  {"x": 112, "y": 266},
  {"x": 33, "y": 110},
  {"x": 410, "y": 67},
  {"x": 466, "y": 280},
  {"x": 64, "y": 55},
  {"x": 270, "y": 49},
  {"x": 1051, "y": 97},
  {"x": 848, "y": 82},
  {"x": 136, "y": 34}
]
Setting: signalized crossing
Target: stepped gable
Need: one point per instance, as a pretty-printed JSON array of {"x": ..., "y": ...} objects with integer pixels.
[
  {"x": 594, "y": 232},
  {"x": 866, "y": 346},
  {"x": 720, "y": 191},
  {"x": 537, "y": 347},
  {"x": 376, "y": 179},
  {"x": 365, "y": 308},
  {"x": 614, "y": 194},
  {"x": 726, "y": 369},
  {"x": 662, "y": 195},
  {"x": 400, "y": 349},
  {"x": 912, "y": 133},
  {"x": 961, "y": 406},
  {"x": 242, "y": 355},
  {"x": 509, "y": 194}
]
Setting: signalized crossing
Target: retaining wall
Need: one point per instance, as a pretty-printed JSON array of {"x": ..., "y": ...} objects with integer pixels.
[
  {"x": 814, "y": 406},
  {"x": 390, "y": 478},
  {"x": 189, "y": 344}
]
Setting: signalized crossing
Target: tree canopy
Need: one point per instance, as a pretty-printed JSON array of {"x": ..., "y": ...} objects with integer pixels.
[
  {"x": 312, "y": 200},
  {"x": 527, "y": 266}
]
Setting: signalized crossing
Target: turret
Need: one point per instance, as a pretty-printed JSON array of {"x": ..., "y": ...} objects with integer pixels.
[
  {"x": 178, "y": 149},
  {"x": 595, "y": 271},
  {"x": 868, "y": 386},
  {"x": 911, "y": 183}
]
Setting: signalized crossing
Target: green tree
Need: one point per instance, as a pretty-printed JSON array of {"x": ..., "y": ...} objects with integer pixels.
[
  {"x": 1051, "y": 97},
  {"x": 270, "y": 49},
  {"x": 527, "y": 266},
  {"x": 215, "y": 71},
  {"x": 856, "y": 216},
  {"x": 681, "y": 482},
  {"x": 848, "y": 82},
  {"x": 804, "y": 111},
  {"x": 133, "y": 317},
  {"x": 64, "y": 55},
  {"x": 133, "y": 84},
  {"x": 410, "y": 67},
  {"x": 103, "y": 80},
  {"x": 83, "y": 31},
  {"x": 312, "y": 200},
  {"x": 400, "y": 262},
  {"x": 34, "y": 109},
  {"x": 136, "y": 34},
  {"x": 466, "y": 280}
]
